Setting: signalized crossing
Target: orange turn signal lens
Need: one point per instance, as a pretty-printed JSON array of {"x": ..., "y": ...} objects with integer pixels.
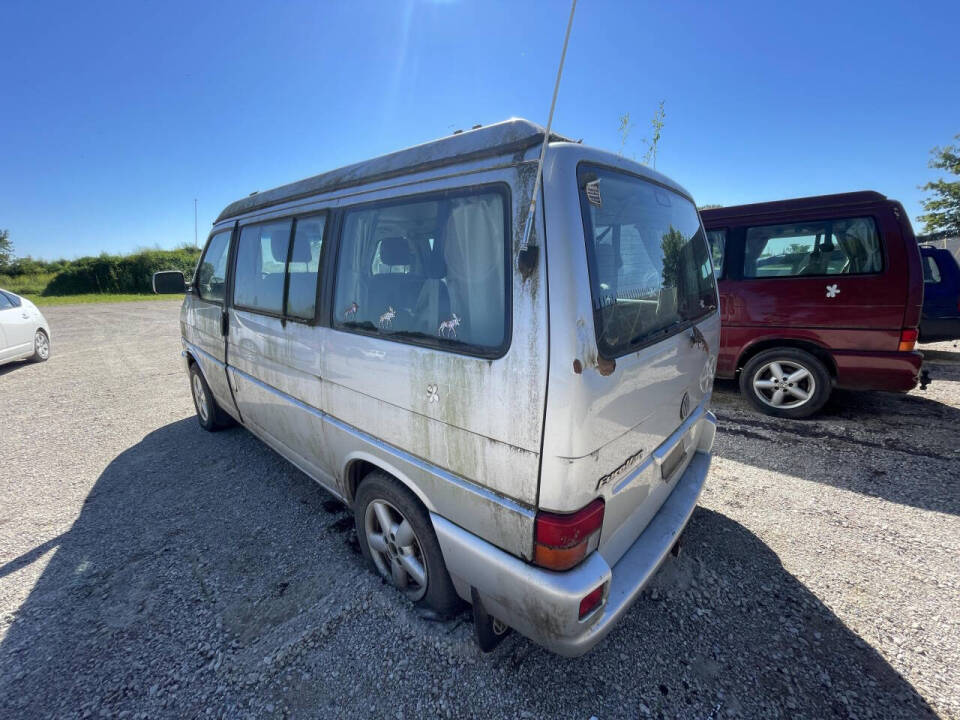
[
  {"x": 562, "y": 540},
  {"x": 908, "y": 339}
]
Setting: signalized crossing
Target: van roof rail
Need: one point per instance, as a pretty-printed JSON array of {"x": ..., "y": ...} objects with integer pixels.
[
  {"x": 803, "y": 203},
  {"x": 502, "y": 138}
]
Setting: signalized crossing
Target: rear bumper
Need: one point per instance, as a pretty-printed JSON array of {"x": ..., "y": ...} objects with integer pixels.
[
  {"x": 545, "y": 605},
  {"x": 894, "y": 371}
]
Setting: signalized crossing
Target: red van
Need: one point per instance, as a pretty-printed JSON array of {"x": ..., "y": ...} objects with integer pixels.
[{"x": 816, "y": 293}]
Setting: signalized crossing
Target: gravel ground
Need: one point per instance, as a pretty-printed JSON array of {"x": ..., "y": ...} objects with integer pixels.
[{"x": 150, "y": 569}]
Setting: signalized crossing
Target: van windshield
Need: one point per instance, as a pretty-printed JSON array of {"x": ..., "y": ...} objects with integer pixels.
[{"x": 650, "y": 268}]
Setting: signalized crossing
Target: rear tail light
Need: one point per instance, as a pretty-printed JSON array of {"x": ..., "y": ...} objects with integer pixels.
[
  {"x": 908, "y": 339},
  {"x": 562, "y": 541},
  {"x": 591, "y": 601}
]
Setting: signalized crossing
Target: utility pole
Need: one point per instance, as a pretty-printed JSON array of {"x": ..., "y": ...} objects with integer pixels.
[{"x": 195, "y": 222}]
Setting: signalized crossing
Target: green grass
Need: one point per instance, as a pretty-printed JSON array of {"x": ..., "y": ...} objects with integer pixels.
[{"x": 95, "y": 298}]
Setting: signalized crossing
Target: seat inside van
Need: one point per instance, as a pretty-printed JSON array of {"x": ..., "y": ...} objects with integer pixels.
[{"x": 419, "y": 266}]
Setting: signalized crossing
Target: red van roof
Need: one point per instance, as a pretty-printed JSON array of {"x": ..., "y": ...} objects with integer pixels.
[{"x": 862, "y": 197}]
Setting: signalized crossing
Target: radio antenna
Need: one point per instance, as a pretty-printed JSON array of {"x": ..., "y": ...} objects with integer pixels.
[{"x": 546, "y": 137}]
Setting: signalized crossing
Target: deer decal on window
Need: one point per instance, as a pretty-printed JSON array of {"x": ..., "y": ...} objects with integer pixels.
[{"x": 448, "y": 328}]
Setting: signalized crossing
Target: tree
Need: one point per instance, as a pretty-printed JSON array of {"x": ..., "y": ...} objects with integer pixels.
[
  {"x": 6, "y": 250},
  {"x": 624, "y": 130},
  {"x": 625, "y": 126},
  {"x": 650, "y": 156},
  {"x": 942, "y": 218},
  {"x": 672, "y": 244}
]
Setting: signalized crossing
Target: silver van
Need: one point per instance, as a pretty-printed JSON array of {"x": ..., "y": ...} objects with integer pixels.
[{"x": 526, "y": 429}]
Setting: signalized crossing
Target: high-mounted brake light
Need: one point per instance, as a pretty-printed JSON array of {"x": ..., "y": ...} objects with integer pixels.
[
  {"x": 562, "y": 541},
  {"x": 908, "y": 339}
]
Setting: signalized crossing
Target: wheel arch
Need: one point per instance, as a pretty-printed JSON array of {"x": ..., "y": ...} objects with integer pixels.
[
  {"x": 815, "y": 349},
  {"x": 360, "y": 464}
]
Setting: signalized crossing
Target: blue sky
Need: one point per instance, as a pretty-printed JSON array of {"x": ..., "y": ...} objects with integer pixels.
[{"x": 116, "y": 115}]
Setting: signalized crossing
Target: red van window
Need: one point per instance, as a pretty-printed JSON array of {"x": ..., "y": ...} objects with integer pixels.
[{"x": 831, "y": 247}]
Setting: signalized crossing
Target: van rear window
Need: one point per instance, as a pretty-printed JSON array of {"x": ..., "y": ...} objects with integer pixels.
[{"x": 650, "y": 268}]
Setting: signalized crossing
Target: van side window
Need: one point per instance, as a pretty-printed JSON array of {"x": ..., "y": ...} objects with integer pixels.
[
  {"x": 829, "y": 247},
  {"x": 431, "y": 270},
  {"x": 212, "y": 270},
  {"x": 261, "y": 265},
  {"x": 14, "y": 299},
  {"x": 5, "y": 303},
  {"x": 304, "y": 267},
  {"x": 718, "y": 242},
  {"x": 931, "y": 271}
]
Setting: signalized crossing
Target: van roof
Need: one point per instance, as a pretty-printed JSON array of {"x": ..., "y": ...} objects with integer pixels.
[
  {"x": 510, "y": 136},
  {"x": 793, "y": 204}
]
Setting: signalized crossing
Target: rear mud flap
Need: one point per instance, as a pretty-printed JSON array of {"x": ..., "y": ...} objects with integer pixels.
[{"x": 490, "y": 631}]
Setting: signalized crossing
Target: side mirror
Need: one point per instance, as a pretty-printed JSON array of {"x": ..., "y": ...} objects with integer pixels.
[{"x": 169, "y": 282}]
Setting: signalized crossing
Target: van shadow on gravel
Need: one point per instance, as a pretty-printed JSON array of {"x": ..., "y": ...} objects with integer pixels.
[
  {"x": 198, "y": 558},
  {"x": 898, "y": 447}
]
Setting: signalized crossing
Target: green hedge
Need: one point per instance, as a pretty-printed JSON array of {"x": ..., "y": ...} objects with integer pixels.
[
  {"x": 102, "y": 274},
  {"x": 26, "y": 283}
]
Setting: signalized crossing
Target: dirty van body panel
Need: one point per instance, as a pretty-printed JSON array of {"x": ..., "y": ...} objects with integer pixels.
[
  {"x": 326, "y": 398},
  {"x": 201, "y": 330},
  {"x": 275, "y": 371},
  {"x": 857, "y": 319},
  {"x": 608, "y": 419},
  {"x": 476, "y": 417}
]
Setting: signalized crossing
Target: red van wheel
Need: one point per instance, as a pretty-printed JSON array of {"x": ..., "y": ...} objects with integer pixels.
[{"x": 785, "y": 382}]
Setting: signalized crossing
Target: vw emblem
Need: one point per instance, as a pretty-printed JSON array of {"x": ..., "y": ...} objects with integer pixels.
[{"x": 685, "y": 406}]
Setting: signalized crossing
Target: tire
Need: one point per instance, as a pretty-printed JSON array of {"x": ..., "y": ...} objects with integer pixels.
[
  {"x": 785, "y": 382},
  {"x": 409, "y": 550},
  {"x": 210, "y": 415},
  {"x": 41, "y": 346}
]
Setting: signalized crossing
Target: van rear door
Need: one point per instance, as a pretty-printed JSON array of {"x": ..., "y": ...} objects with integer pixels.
[{"x": 624, "y": 427}]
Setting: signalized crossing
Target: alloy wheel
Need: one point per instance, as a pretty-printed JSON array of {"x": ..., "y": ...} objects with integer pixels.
[
  {"x": 200, "y": 397},
  {"x": 784, "y": 384},
  {"x": 41, "y": 345},
  {"x": 395, "y": 548}
]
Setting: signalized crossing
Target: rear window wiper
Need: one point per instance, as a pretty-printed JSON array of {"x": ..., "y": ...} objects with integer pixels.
[{"x": 662, "y": 331}]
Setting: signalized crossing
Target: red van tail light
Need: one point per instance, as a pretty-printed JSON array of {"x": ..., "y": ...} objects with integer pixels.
[
  {"x": 562, "y": 541},
  {"x": 908, "y": 339}
]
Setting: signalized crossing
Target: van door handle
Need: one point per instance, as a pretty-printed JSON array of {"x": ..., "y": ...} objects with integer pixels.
[
  {"x": 224, "y": 323},
  {"x": 25, "y": 316}
]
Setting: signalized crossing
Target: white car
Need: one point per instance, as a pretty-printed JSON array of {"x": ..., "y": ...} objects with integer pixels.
[{"x": 24, "y": 332}]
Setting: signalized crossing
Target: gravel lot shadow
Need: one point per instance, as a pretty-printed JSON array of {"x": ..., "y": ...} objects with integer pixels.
[
  {"x": 10, "y": 367},
  {"x": 204, "y": 572},
  {"x": 900, "y": 447}
]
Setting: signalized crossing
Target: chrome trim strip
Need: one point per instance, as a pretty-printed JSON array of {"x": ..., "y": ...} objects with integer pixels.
[{"x": 419, "y": 463}]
